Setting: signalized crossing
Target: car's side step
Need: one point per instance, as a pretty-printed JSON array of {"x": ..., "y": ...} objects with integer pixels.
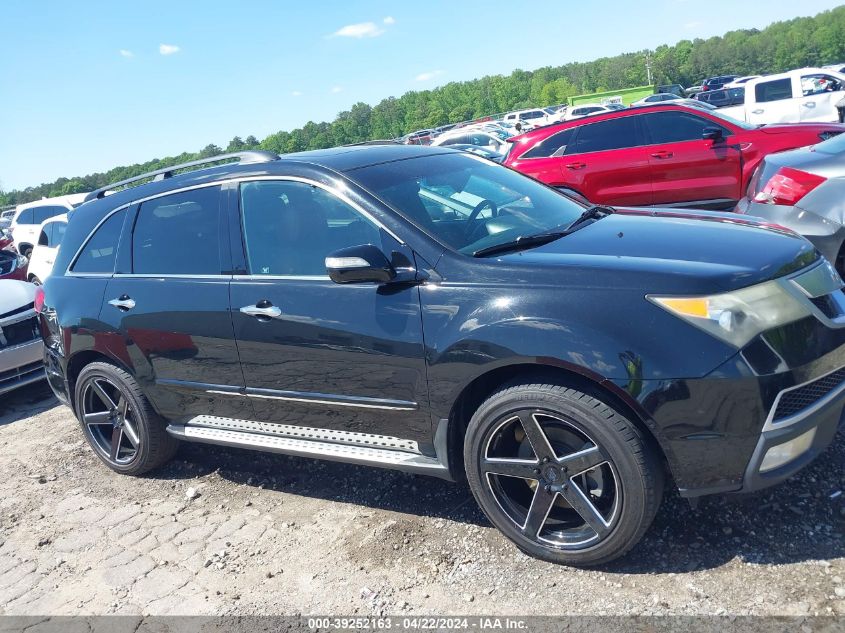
[{"x": 356, "y": 448}]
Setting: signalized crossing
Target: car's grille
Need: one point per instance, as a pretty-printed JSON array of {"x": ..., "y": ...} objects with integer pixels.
[
  {"x": 19, "y": 332},
  {"x": 8, "y": 378},
  {"x": 796, "y": 400}
]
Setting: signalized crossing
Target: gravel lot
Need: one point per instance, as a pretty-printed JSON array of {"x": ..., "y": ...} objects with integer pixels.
[{"x": 269, "y": 534}]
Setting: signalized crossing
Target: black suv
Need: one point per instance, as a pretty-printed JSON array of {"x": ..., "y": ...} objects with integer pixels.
[{"x": 428, "y": 310}]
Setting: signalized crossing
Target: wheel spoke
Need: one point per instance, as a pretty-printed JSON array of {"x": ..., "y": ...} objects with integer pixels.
[
  {"x": 131, "y": 433},
  {"x": 582, "y": 504},
  {"x": 586, "y": 459},
  {"x": 541, "y": 504},
  {"x": 101, "y": 393},
  {"x": 523, "y": 468},
  {"x": 116, "y": 439},
  {"x": 100, "y": 417},
  {"x": 536, "y": 436}
]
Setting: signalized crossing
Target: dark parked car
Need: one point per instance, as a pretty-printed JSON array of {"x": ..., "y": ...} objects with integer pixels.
[
  {"x": 716, "y": 83},
  {"x": 427, "y": 310},
  {"x": 723, "y": 97}
]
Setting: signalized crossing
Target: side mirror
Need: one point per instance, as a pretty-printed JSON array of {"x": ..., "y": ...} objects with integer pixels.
[
  {"x": 358, "y": 264},
  {"x": 712, "y": 134}
]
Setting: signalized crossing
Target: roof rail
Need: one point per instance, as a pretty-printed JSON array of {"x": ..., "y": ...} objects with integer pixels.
[{"x": 244, "y": 158}]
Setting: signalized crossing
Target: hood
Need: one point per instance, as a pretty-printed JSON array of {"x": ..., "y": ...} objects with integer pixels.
[
  {"x": 15, "y": 294},
  {"x": 789, "y": 128},
  {"x": 666, "y": 250}
]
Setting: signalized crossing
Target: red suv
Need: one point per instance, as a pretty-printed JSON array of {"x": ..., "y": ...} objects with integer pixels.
[{"x": 669, "y": 155}]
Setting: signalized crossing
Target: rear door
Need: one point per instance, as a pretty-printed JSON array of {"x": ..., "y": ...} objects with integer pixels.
[
  {"x": 340, "y": 357},
  {"x": 820, "y": 92},
  {"x": 686, "y": 168},
  {"x": 774, "y": 101},
  {"x": 607, "y": 163},
  {"x": 168, "y": 305}
]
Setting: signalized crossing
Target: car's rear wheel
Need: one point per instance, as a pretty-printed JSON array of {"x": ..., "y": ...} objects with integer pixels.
[
  {"x": 119, "y": 422},
  {"x": 35, "y": 280},
  {"x": 562, "y": 474}
]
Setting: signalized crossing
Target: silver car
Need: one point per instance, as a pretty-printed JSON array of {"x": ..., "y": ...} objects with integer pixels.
[
  {"x": 21, "y": 353},
  {"x": 804, "y": 190}
]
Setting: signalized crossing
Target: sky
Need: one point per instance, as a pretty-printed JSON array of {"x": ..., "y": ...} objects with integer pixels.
[{"x": 90, "y": 85}]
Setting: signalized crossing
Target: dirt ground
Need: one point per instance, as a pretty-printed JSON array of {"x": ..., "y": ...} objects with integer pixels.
[{"x": 270, "y": 534}]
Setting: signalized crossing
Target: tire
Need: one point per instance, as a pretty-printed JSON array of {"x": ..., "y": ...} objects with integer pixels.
[
  {"x": 27, "y": 252},
  {"x": 35, "y": 280},
  {"x": 601, "y": 466},
  {"x": 127, "y": 418}
]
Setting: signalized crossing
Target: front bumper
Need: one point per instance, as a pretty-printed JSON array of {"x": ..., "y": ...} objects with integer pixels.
[
  {"x": 811, "y": 429},
  {"x": 21, "y": 365}
]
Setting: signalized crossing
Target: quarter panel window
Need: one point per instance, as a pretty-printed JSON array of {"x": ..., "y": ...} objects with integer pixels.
[
  {"x": 290, "y": 227},
  {"x": 776, "y": 90},
  {"x": 178, "y": 234},
  {"x": 605, "y": 135},
  {"x": 98, "y": 255},
  {"x": 677, "y": 127}
]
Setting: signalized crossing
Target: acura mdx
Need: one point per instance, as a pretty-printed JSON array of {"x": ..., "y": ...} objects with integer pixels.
[{"x": 428, "y": 310}]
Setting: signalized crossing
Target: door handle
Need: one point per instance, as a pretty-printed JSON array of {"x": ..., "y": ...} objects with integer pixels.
[
  {"x": 758, "y": 111},
  {"x": 123, "y": 303},
  {"x": 809, "y": 104},
  {"x": 662, "y": 154},
  {"x": 263, "y": 309},
  {"x": 578, "y": 165}
]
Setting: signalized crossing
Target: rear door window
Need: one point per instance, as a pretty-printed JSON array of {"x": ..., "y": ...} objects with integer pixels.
[
  {"x": 776, "y": 90},
  {"x": 178, "y": 234},
  {"x": 47, "y": 212},
  {"x": 606, "y": 135},
  {"x": 98, "y": 254},
  {"x": 554, "y": 145}
]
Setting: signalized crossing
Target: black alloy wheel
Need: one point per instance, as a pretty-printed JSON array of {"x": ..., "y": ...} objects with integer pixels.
[
  {"x": 561, "y": 474},
  {"x": 119, "y": 422}
]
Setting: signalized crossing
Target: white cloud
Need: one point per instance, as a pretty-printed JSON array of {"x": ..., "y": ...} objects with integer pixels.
[
  {"x": 337, "y": 89},
  {"x": 364, "y": 29},
  {"x": 389, "y": 20},
  {"x": 429, "y": 75},
  {"x": 168, "y": 49},
  {"x": 296, "y": 93},
  {"x": 126, "y": 53}
]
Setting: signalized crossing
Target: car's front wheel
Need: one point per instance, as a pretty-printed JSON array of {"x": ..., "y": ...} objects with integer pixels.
[
  {"x": 563, "y": 475},
  {"x": 119, "y": 422}
]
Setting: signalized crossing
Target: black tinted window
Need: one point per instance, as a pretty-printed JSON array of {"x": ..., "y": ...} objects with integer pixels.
[
  {"x": 459, "y": 139},
  {"x": 45, "y": 213},
  {"x": 554, "y": 145},
  {"x": 676, "y": 127},
  {"x": 178, "y": 234},
  {"x": 99, "y": 253},
  {"x": 290, "y": 227},
  {"x": 773, "y": 90},
  {"x": 605, "y": 135},
  {"x": 26, "y": 217}
]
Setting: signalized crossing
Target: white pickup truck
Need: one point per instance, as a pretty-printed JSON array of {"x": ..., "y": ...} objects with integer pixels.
[{"x": 806, "y": 94}]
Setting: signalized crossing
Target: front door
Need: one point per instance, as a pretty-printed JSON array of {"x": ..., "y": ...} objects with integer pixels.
[
  {"x": 316, "y": 354},
  {"x": 687, "y": 169}
]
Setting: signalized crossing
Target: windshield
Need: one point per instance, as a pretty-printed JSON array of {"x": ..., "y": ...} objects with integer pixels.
[
  {"x": 733, "y": 121},
  {"x": 835, "y": 145},
  {"x": 466, "y": 202}
]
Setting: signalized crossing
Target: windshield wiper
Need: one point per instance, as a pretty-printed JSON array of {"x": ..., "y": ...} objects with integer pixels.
[{"x": 594, "y": 212}]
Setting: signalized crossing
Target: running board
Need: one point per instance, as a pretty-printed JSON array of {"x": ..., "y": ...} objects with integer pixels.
[{"x": 343, "y": 446}]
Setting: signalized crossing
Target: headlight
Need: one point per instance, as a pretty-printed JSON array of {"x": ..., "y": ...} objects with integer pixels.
[{"x": 737, "y": 317}]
